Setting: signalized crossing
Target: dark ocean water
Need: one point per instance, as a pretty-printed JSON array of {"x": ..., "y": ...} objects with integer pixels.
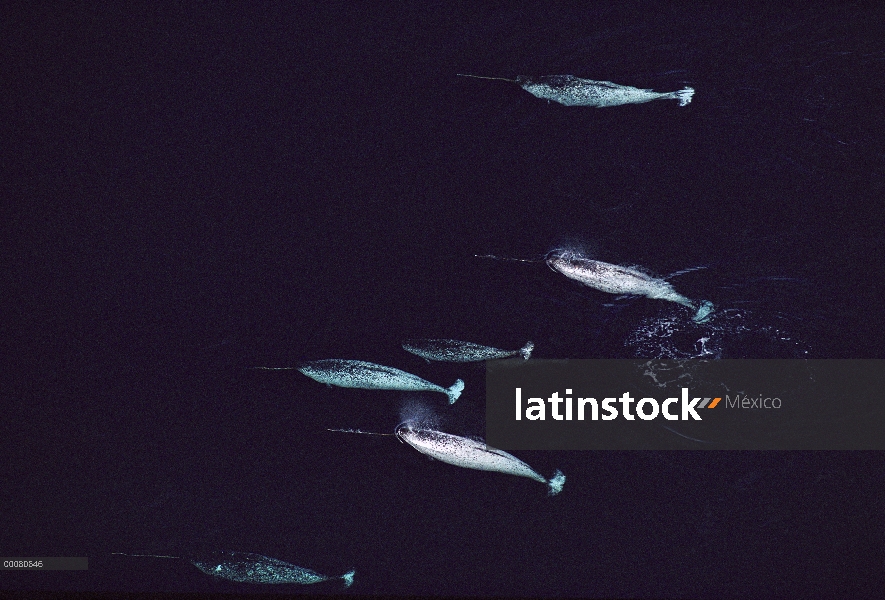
[{"x": 192, "y": 192}]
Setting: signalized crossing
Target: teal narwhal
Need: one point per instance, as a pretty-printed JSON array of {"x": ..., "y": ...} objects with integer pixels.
[
  {"x": 575, "y": 91},
  {"x": 458, "y": 351},
  {"x": 247, "y": 567},
  {"x": 615, "y": 279},
  {"x": 369, "y": 376}
]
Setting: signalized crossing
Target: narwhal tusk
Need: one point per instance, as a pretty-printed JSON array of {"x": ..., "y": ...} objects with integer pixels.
[
  {"x": 359, "y": 431},
  {"x": 150, "y": 555},
  {"x": 480, "y": 77},
  {"x": 526, "y": 260}
]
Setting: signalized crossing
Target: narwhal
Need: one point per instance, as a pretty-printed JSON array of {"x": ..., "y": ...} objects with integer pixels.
[
  {"x": 472, "y": 454},
  {"x": 246, "y": 567},
  {"x": 369, "y": 376},
  {"x": 615, "y": 279},
  {"x": 574, "y": 91},
  {"x": 458, "y": 351},
  {"x": 465, "y": 452}
]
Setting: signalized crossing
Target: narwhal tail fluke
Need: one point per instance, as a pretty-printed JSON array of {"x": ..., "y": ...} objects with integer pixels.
[
  {"x": 555, "y": 483},
  {"x": 526, "y": 351},
  {"x": 481, "y": 77},
  {"x": 684, "y": 96},
  {"x": 704, "y": 310},
  {"x": 348, "y": 578},
  {"x": 454, "y": 392}
]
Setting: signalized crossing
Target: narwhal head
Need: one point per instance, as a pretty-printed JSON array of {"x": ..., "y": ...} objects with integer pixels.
[
  {"x": 405, "y": 430},
  {"x": 416, "y": 435},
  {"x": 565, "y": 261},
  {"x": 553, "y": 258}
]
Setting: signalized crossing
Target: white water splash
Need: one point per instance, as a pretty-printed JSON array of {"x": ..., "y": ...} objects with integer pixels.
[
  {"x": 416, "y": 409},
  {"x": 730, "y": 333}
]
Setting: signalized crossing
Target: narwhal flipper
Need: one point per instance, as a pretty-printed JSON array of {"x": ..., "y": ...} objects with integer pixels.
[{"x": 684, "y": 271}]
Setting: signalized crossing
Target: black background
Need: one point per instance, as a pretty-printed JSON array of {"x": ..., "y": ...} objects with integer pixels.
[{"x": 191, "y": 191}]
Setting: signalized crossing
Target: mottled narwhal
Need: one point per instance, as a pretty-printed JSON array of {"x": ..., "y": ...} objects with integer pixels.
[
  {"x": 472, "y": 454},
  {"x": 615, "y": 279},
  {"x": 574, "y": 91},
  {"x": 254, "y": 568},
  {"x": 369, "y": 376},
  {"x": 246, "y": 567},
  {"x": 458, "y": 351}
]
